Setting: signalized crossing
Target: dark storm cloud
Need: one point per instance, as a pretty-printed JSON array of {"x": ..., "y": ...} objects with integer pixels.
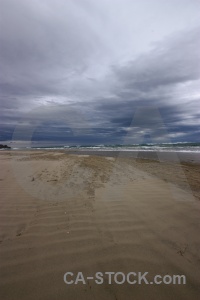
[
  {"x": 63, "y": 62},
  {"x": 154, "y": 80}
]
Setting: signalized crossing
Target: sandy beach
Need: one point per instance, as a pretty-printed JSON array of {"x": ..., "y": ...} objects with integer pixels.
[{"x": 75, "y": 212}]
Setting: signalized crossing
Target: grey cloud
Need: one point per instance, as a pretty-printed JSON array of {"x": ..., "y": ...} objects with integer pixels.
[
  {"x": 173, "y": 62},
  {"x": 43, "y": 44},
  {"x": 80, "y": 54}
]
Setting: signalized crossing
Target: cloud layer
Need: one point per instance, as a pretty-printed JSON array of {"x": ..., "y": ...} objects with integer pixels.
[{"x": 102, "y": 62}]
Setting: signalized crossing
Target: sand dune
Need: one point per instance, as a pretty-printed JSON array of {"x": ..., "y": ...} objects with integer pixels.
[{"x": 91, "y": 214}]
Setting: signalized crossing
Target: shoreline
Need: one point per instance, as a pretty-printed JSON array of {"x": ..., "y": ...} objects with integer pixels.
[{"x": 177, "y": 156}]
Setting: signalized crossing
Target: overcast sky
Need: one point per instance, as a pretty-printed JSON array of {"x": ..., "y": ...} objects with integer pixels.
[{"x": 99, "y": 71}]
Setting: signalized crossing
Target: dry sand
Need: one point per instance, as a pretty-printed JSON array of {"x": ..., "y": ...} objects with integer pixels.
[{"x": 62, "y": 212}]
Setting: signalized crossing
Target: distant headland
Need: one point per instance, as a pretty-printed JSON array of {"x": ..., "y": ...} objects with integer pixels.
[{"x": 4, "y": 147}]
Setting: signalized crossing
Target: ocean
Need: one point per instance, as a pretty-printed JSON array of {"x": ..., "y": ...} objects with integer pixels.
[{"x": 152, "y": 147}]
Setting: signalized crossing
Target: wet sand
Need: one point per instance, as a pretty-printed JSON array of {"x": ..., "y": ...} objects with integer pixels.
[{"x": 173, "y": 156}]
